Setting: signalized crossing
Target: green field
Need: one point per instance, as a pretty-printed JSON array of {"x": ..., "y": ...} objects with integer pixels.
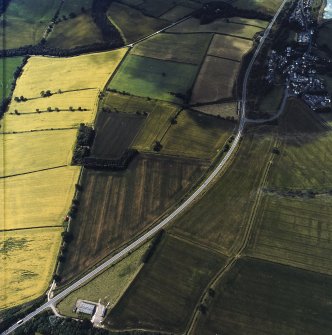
[
  {"x": 268, "y": 7},
  {"x": 75, "y": 32},
  {"x": 7, "y": 69},
  {"x": 75, "y": 6},
  {"x": 305, "y": 157},
  {"x": 220, "y": 217},
  {"x": 219, "y": 26},
  {"x": 270, "y": 103},
  {"x": 26, "y": 21},
  {"x": 294, "y": 231},
  {"x": 148, "y": 77},
  {"x": 189, "y": 48},
  {"x": 324, "y": 34},
  {"x": 108, "y": 286},
  {"x": 140, "y": 25},
  {"x": 196, "y": 135},
  {"x": 164, "y": 294},
  {"x": 260, "y": 298},
  {"x": 176, "y": 13},
  {"x": 116, "y": 206},
  {"x": 216, "y": 80},
  {"x": 229, "y": 47}
]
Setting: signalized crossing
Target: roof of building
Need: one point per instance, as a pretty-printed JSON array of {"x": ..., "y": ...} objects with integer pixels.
[{"x": 84, "y": 307}]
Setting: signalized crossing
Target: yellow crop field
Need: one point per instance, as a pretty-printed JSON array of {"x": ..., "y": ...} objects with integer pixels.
[
  {"x": 27, "y": 260},
  {"x": 73, "y": 73},
  {"x": 27, "y": 122},
  {"x": 37, "y": 199},
  {"x": 27, "y": 152}
]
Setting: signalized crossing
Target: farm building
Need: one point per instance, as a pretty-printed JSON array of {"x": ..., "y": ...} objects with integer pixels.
[{"x": 85, "y": 307}]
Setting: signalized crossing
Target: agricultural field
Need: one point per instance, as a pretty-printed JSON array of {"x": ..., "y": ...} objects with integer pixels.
[
  {"x": 115, "y": 133},
  {"x": 75, "y": 32},
  {"x": 8, "y": 66},
  {"x": 196, "y": 135},
  {"x": 271, "y": 102},
  {"x": 305, "y": 155},
  {"x": 27, "y": 152},
  {"x": 219, "y": 26},
  {"x": 116, "y": 206},
  {"x": 26, "y": 22},
  {"x": 229, "y": 47},
  {"x": 75, "y": 6},
  {"x": 27, "y": 260},
  {"x": 294, "y": 231},
  {"x": 90, "y": 71},
  {"x": 148, "y": 77},
  {"x": 140, "y": 25},
  {"x": 164, "y": 294},
  {"x": 37, "y": 199},
  {"x": 224, "y": 110},
  {"x": 176, "y": 13},
  {"x": 219, "y": 218},
  {"x": 268, "y": 7},
  {"x": 252, "y": 22},
  {"x": 109, "y": 285},
  {"x": 33, "y": 121},
  {"x": 259, "y": 298},
  {"x": 215, "y": 81},
  {"x": 324, "y": 35},
  {"x": 189, "y": 48}
]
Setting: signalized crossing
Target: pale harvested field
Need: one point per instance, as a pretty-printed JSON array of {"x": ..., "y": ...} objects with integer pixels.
[
  {"x": 35, "y": 121},
  {"x": 37, "y": 199},
  {"x": 27, "y": 260},
  {"x": 215, "y": 80},
  {"x": 229, "y": 47},
  {"x": 227, "y": 109},
  {"x": 87, "y": 71},
  {"x": 35, "y": 151},
  {"x": 218, "y": 26}
]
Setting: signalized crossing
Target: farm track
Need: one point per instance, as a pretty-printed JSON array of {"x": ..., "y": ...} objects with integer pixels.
[{"x": 205, "y": 185}]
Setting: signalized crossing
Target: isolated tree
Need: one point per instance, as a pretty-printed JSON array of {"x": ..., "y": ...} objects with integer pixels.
[
  {"x": 42, "y": 94},
  {"x": 17, "y": 99},
  {"x": 49, "y": 109},
  {"x": 71, "y": 108},
  {"x": 59, "y": 91},
  {"x": 57, "y": 109}
]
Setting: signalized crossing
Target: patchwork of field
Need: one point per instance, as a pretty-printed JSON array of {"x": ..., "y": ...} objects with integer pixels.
[
  {"x": 165, "y": 292},
  {"x": 34, "y": 202},
  {"x": 219, "y": 26},
  {"x": 229, "y": 47},
  {"x": 259, "y": 298},
  {"x": 219, "y": 218},
  {"x": 140, "y": 25},
  {"x": 116, "y": 206},
  {"x": 107, "y": 287},
  {"x": 7, "y": 69},
  {"x": 28, "y": 152},
  {"x": 215, "y": 81},
  {"x": 27, "y": 260},
  {"x": 115, "y": 133},
  {"x": 157, "y": 114},
  {"x": 154, "y": 78},
  {"x": 294, "y": 231},
  {"x": 37, "y": 199},
  {"x": 196, "y": 135},
  {"x": 26, "y": 22},
  {"x": 305, "y": 155},
  {"x": 189, "y": 48},
  {"x": 75, "y": 32},
  {"x": 224, "y": 110}
]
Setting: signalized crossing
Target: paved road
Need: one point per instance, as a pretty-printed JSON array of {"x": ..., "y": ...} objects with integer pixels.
[{"x": 179, "y": 210}]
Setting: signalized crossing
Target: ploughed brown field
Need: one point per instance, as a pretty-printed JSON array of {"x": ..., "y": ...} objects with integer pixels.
[{"x": 116, "y": 206}]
